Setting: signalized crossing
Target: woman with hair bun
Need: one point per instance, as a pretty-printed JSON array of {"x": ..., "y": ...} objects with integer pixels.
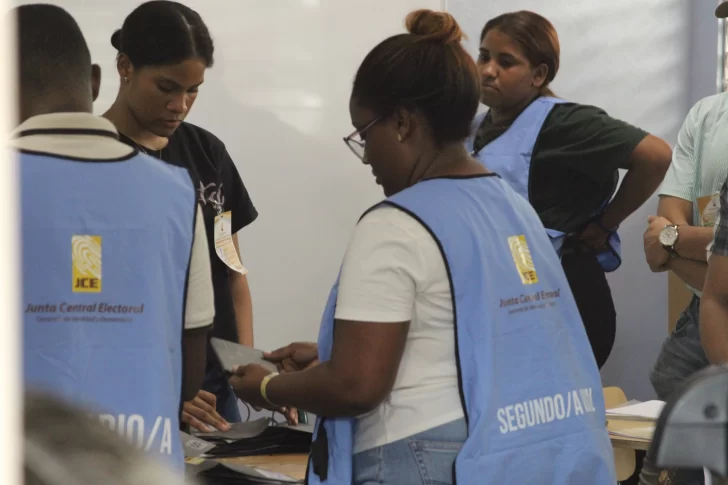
[
  {"x": 451, "y": 349},
  {"x": 164, "y": 49},
  {"x": 564, "y": 158}
]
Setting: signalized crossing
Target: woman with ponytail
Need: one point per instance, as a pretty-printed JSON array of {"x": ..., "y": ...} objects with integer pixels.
[
  {"x": 564, "y": 158},
  {"x": 450, "y": 345},
  {"x": 164, "y": 49}
]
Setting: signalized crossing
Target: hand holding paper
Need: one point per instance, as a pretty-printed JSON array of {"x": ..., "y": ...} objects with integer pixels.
[
  {"x": 246, "y": 382},
  {"x": 297, "y": 356}
]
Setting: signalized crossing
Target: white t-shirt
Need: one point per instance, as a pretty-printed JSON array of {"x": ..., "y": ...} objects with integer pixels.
[{"x": 393, "y": 272}]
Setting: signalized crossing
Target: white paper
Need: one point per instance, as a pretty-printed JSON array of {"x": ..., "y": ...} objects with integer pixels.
[
  {"x": 241, "y": 430},
  {"x": 276, "y": 476},
  {"x": 645, "y": 410},
  {"x": 194, "y": 447},
  {"x": 645, "y": 433},
  {"x": 224, "y": 246},
  {"x": 231, "y": 354}
]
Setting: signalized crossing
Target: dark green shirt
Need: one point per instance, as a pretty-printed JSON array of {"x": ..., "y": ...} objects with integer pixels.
[{"x": 574, "y": 162}]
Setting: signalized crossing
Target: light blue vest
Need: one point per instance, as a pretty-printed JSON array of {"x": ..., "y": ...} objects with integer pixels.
[
  {"x": 510, "y": 157},
  {"x": 530, "y": 386},
  {"x": 106, "y": 252}
]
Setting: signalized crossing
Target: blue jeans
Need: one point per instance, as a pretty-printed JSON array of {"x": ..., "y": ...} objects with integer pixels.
[
  {"x": 426, "y": 458},
  {"x": 227, "y": 402},
  {"x": 682, "y": 355}
]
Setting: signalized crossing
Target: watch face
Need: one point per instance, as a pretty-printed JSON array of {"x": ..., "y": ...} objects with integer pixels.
[{"x": 668, "y": 236}]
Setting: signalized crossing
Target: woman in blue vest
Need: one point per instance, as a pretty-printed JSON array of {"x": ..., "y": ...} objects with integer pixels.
[
  {"x": 564, "y": 158},
  {"x": 451, "y": 348},
  {"x": 164, "y": 50}
]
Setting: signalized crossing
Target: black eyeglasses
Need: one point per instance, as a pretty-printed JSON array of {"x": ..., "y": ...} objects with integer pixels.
[{"x": 359, "y": 146}]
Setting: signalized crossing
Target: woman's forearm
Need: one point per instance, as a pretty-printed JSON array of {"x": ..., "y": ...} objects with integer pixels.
[
  {"x": 243, "y": 308},
  {"x": 320, "y": 391},
  {"x": 638, "y": 185}
]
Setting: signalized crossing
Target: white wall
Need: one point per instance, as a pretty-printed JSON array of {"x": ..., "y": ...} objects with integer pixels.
[{"x": 645, "y": 62}]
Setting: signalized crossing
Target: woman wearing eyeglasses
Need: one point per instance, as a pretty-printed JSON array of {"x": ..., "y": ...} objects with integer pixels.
[{"x": 451, "y": 340}]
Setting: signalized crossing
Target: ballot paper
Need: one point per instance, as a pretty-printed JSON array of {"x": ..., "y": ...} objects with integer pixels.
[
  {"x": 643, "y": 433},
  {"x": 194, "y": 447},
  {"x": 644, "y": 411},
  {"x": 239, "y": 431},
  {"x": 198, "y": 463},
  {"x": 254, "y": 472},
  {"x": 231, "y": 354},
  {"x": 235, "y": 473},
  {"x": 304, "y": 428}
]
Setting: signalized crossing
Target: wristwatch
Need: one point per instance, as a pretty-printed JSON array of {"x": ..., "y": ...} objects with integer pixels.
[{"x": 668, "y": 237}]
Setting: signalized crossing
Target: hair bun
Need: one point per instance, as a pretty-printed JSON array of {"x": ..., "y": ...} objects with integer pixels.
[
  {"x": 116, "y": 40},
  {"x": 431, "y": 25}
]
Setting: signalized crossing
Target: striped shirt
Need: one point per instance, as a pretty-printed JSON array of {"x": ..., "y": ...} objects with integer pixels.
[{"x": 700, "y": 159}]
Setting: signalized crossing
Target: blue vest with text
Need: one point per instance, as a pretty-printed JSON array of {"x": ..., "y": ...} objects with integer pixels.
[
  {"x": 510, "y": 157},
  {"x": 531, "y": 390},
  {"x": 106, "y": 252}
]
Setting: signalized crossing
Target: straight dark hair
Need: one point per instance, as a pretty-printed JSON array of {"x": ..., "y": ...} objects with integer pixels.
[{"x": 162, "y": 32}]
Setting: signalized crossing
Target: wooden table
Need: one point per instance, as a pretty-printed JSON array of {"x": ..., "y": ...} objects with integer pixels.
[{"x": 292, "y": 465}]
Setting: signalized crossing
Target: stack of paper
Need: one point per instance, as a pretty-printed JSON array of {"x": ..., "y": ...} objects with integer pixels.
[
  {"x": 198, "y": 463},
  {"x": 634, "y": 420},
  {"x": 643, "y": 433},
  {"x": 644, "y": 411}
]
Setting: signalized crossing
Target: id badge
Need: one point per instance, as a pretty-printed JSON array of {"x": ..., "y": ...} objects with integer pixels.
[
  {"x": 224, "y": 246},
  {"x": 708, "y": 208}
]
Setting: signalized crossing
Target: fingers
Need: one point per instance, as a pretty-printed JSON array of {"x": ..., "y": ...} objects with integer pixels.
[
  {"x": 208, "y": 398},
  {"x": 650, "y": 219},
  {"x": 195, "y": 423},
  {"x": 239, "y": 371},
  {"x": 280, "y": 354},
  {"x": 205, "y": 413},
  {"x": 288, "y": 365},
  {"x": 291, "y": 415}
]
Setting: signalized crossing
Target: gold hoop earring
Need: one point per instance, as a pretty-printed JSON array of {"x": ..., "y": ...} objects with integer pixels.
[{"x": 126, "y": 80}]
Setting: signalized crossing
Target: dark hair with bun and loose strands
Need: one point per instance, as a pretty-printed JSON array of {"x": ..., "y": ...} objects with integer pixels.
[
  {"x": 426, "y": 70},
  {"x": 535, "y": 36},
  {"x": 162, "y": 32}
]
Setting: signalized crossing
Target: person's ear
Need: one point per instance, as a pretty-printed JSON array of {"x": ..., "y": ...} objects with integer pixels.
[
  {"x": 95, "y": 80},
  {"x": 124, "y": 67},
  {"x": 539, "y": 76},
  {"x": 405, "y": 123}
]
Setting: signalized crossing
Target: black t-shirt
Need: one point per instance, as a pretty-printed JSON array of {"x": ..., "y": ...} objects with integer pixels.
[
  {"x": 215, "y": 177},
  {"x": 574, "y": 162}
]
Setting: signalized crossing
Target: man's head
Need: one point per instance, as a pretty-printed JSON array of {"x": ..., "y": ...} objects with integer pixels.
[{"x": 54, "y": 64}]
